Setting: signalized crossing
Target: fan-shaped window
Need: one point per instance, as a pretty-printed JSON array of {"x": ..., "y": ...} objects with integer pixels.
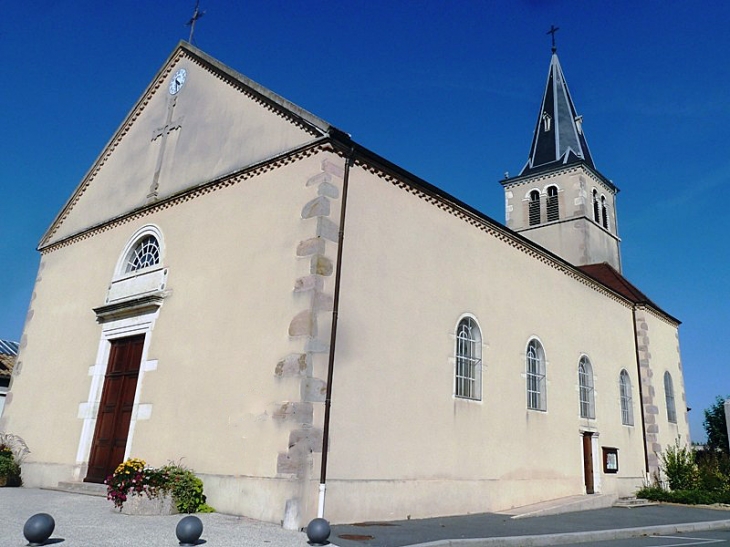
[
  {"x": 604, "y": 212},
  {"x": 627, "y": 402},
  {"x": 669, "y": 396},
  {"x": 585, "y": 385},
  {"x": 145, "y": 254},
  {"x": 468, "y": 359},
  {"x": 553, "y": 212},
  {"x": 535, "y": 376},
  {"x": 534, "y": 212}
]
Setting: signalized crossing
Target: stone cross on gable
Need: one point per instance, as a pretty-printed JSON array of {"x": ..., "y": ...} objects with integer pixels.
[{"x": 162, "y": 133}]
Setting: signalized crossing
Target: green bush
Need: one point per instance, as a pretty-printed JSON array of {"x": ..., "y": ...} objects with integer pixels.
[
  {"x": 678, "y": 465},
  {"x": 10, "y": 469},
  {"x": 133, "y": 477},
  {"x": 186, "y": 489}
]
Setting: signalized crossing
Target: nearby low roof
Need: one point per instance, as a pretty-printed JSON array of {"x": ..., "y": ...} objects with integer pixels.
[
  {"x": 8, "y": 355},
  {"x": 612, "y": 279}
]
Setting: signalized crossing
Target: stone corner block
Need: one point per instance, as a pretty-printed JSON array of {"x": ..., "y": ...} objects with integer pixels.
[
  {"x": 328, "y": 166},
  {"x": 295, "y": 364},
  {"x": 302, "y": 325},
  {"x": 318, "y": 207},
  {"x": 294, "y": 412},
  {"x": 321, "y": 265}
]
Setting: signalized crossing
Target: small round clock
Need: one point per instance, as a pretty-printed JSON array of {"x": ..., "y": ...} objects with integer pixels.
[{"x": 177, "y": 81}]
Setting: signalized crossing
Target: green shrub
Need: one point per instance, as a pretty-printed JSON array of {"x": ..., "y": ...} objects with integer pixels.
[
  {"x": 714, "y": 472},
  {"x": 10, "y": 469},
  {"x": 133, "y": 477},
  {"x": 678, "y": 465},
  {"x": 186, "y": 489}
]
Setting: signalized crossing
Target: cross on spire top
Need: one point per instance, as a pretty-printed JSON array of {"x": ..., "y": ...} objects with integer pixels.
[
  {"x": 553, "y": 30},
  {"x": 197, "y": 14}
]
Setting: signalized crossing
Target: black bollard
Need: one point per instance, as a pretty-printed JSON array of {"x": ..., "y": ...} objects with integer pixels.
[
  {"x": 318, "y": 531},
  {"x": 38, "y": 528},
  {"x": 189, "y": 530}
]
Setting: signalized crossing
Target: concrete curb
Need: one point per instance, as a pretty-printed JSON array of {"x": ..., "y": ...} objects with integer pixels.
[{"x": 579, "y": 537}]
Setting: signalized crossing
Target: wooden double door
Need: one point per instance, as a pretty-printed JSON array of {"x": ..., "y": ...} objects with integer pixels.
[{"x": 115, "y": 409}]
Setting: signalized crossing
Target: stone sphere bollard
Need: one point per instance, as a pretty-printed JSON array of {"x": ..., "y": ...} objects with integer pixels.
[
  {"x": 189, "y": 530},
  {"x": 318, "y": 531},
  {"x": 38, "y": 528}
]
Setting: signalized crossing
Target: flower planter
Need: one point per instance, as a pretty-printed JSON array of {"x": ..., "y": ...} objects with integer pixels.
[{"x": 140, "y": 504}]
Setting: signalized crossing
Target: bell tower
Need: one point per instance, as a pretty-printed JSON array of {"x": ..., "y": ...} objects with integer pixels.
[{"x": 560, "y": 200}]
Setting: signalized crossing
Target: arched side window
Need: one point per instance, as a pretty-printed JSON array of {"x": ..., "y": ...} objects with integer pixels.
[
  {"x": 585, "y": 388},
  {"x": 627, "y": 401},
  {"x": 604, "y": 212},
  {"x": 534, "y": 211},
  {"x": 468, "y": 373},
  {"x": 595, "y": 206},
  {"x": 553, "y": 210},
  {"x": 535, "y": 376},
  {"x": 669, "y": 397}
]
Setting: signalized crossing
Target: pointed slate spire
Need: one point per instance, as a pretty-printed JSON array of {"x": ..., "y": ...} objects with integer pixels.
[{"x": 558, "y": 138}]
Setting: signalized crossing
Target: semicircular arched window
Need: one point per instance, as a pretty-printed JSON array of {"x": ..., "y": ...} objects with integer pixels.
[{"x": 145, "y": 253}]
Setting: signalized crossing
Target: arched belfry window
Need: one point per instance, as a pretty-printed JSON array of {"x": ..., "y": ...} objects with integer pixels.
[
  {"x": 468, "y": 372},
  {"x": 534, "y": 211},
  {"x": 595, "y": 206},
  {"x": 535, "y": 376},
  {"x": 553, "y": 211},
  {"x": 604, "y": 212},
  {"x": 585, "y": 389}
]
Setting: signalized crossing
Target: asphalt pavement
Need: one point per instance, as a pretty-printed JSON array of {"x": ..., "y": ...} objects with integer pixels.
[{"x": 83, "y": 520}]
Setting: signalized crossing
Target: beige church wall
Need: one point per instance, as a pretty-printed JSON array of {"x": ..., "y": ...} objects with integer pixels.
[
  {"x": 211, "y": 394},
  {"x": 58, "y": 346},
  {"x": 209, "y": 121},
  {"x": 660, "y": 353},
  {"x": 410, "y": 272}
]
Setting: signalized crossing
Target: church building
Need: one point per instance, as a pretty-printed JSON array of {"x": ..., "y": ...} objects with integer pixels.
[{"x": 238, "y": 285}]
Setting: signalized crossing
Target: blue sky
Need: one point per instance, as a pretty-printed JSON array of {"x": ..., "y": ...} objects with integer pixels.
[{"x": 447, "y": 90}]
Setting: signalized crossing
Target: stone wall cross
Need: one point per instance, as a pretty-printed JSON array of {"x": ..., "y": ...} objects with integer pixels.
[{"x": 162, "y": 133}]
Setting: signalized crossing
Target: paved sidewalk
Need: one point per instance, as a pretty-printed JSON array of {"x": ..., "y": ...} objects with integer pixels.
[
  {"x": 83, "y": 521},
  {"x": 90, "y": 521}
]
